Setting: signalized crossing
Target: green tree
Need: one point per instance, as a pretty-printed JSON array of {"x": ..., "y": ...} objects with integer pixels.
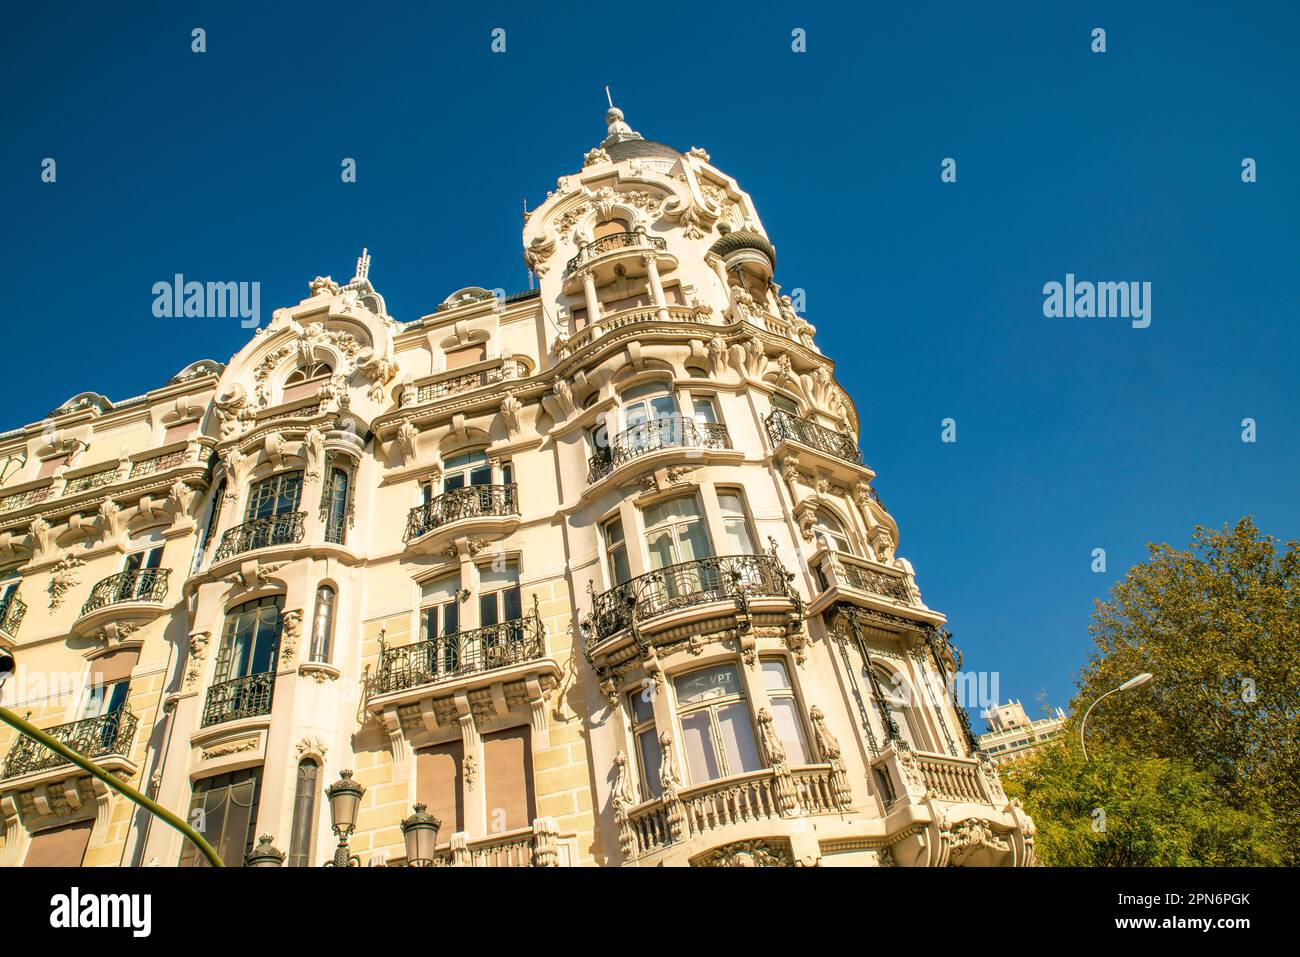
[
  {"x": 1218, "y": 625},
  {"x": 1120, "y": 809}
]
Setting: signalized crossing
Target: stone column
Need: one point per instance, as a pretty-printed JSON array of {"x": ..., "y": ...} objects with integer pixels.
[
  {"x": 656, "y": 286},
  {"x": 593, "y": 303}
]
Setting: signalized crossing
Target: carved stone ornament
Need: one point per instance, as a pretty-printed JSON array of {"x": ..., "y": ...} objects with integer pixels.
[
  {"x": 973, "y": 835},
  {"x": 63, "y": 577},
  {"x": 311, "y": 745},
  {"x": 292, "y": 621},
  {"x": 324, "y": 286},
  {"x": 198, "y": 650},
  {"x": 747, "y": 854},
  {"x": 470, "y": 770}
]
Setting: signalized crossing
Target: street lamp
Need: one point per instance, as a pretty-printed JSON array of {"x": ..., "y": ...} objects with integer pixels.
[
  {"x": 420, "y": 831},
  {"x": 1136, "y": 681},
  {"x": 345, "y": 797},
  {"x": 265, "y": 854}
]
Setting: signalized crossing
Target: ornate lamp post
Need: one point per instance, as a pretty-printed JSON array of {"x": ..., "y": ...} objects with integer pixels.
[
  {"x": 345, "y": 797},
  {"x": 265, "y": 854},
  {"x": 420, "y": 831},
  {"x": 1135, "y": 682}
]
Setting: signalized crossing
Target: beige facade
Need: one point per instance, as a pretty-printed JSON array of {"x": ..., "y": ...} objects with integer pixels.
[
  {"x": 1012, "y": 735},
  {"x": 595, "y": 572}
]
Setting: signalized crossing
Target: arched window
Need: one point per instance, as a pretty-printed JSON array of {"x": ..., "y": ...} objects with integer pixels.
[
  {"x": 830, "y": 533},
  {"x": 304, "y": 813},
  {"x": 898, "y": 699},
  {"x": 336, "y": 506},
  {"x": 322, "y": 629},
  {"x": 305, "y": 380},
  {"x": 307, "y": 372}
]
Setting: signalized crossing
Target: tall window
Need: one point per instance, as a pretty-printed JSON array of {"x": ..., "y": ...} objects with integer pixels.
[
  {"x": 322, "y": 629},
  {"x": 717, "y": 734},
  {"x": 498, "y": 598},
  {"x": 831, "y": 534},
  {"x": 140, "y": 586},
  {"x": 303, "y": 828},
  {"x": 277, "y": 495},
  {"x": 250, "y": 639},
  {"x": 616, "y": 551},
  {"x": 897, "y": 698},
  {"x": 224, "y": 810},
  {"x": 705, "y": 409},
  {"x": 649, "y": 754},
  {"x": 787, "y": 720},
  {"x": 336, "y": 506},
  {"x": 440, "y": 618},
  {"x": 735, "y": 524}
]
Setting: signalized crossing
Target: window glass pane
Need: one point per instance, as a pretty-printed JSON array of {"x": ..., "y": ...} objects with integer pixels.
[
  {"x": 642, "y": 707},
  {"x": 651, "y": 761},
  {"x": 443, "y": 589},
  {"x": 697, "y": 744},
  {"x": 487, "y": 610},
  {"x": 738, "y": 738},
  {"x": 660, "y": 545},
  {"x": 675, "y": 509},
  {"x": 304, "y": 815},
  {"x": 644, "y": 390},
  {"x": 498, "y": 573},
  {"x": 464, "y": 459},
  {"x": 785, "y": 404},
  {"x": 622, "y": 571},
  {"x": 694, "y": 542},
  {"x": 789, "y": 730},
  {"x": 511, "y": 604},
  {"x": 663, "y": 407},
  {"x": 614, "y": 531},
  {"x": 775, "y": 675},
  {"x": 705, "y": 411},
  {"x": 706, "y": 684},
  {"x": 738, "y": 540}
]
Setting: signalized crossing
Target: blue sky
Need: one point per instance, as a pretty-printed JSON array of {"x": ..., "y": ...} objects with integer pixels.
[{"x": 1072, "y": 434}]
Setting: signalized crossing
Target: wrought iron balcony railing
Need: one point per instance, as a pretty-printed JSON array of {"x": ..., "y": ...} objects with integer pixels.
[
  {"x": 102, "y": 736},
  {"x": 244, "y": 697},
  {"x": 472, "y": 501},
  {"x": 282, "y": 529},
  {"x": 857, "y": 575},
  {"x": 606, "y": 244},
  {"x": 141, "y": 584},
  {"x": 453, "y": 385},
  {"x": 12, "y": 610},
  {"x": 785, "y": 425},
  {"x": 685, "y": 585},
  {"x": 464, "y": 653},
  {"x": 671, "y": 432}
]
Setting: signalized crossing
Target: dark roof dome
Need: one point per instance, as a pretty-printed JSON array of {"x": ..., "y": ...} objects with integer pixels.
[
  {"x": 744, "y": 239},
  {"x": 633, "y": 149}
]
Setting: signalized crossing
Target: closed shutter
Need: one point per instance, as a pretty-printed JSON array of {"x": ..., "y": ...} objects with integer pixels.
[
  {"x": 508, "y": 770},
  {"x": 60, "y": 846},
  {"x": 438, "y": 779}
]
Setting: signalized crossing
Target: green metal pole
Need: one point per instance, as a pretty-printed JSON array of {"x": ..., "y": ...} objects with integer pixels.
[{"x": 131, "y": 794}]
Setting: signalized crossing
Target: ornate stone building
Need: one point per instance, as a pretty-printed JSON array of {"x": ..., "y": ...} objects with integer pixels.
[
  {"x": 596, "y": 572},
  {"x": 1013, "y": 736}
]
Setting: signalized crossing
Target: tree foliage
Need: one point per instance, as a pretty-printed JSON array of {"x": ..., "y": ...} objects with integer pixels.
[{"x": 1218, "y": 625}]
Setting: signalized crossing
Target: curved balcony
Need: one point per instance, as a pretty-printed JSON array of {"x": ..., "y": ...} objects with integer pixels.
[
  {"x": 448, "y": 657},
  {"x": 472, "y": 501},
  {"x": 668, "y": 433},
  {"x": 286, "y": 529},
  {"x": 12, "y": 610},
  {"x": 614, "y": 243},
  {"x": 657, "y": 594},
  {"x": 763, "y": 803},
  {"x": 139, "y": 585},
  {"x": 245, "y": 697},
  {"x": 783, "y": 425},
  {"x": 104, "y": 736}
]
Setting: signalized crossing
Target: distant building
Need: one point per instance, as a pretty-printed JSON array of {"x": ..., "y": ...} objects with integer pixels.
[{"x": 1012, "y": 735}]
